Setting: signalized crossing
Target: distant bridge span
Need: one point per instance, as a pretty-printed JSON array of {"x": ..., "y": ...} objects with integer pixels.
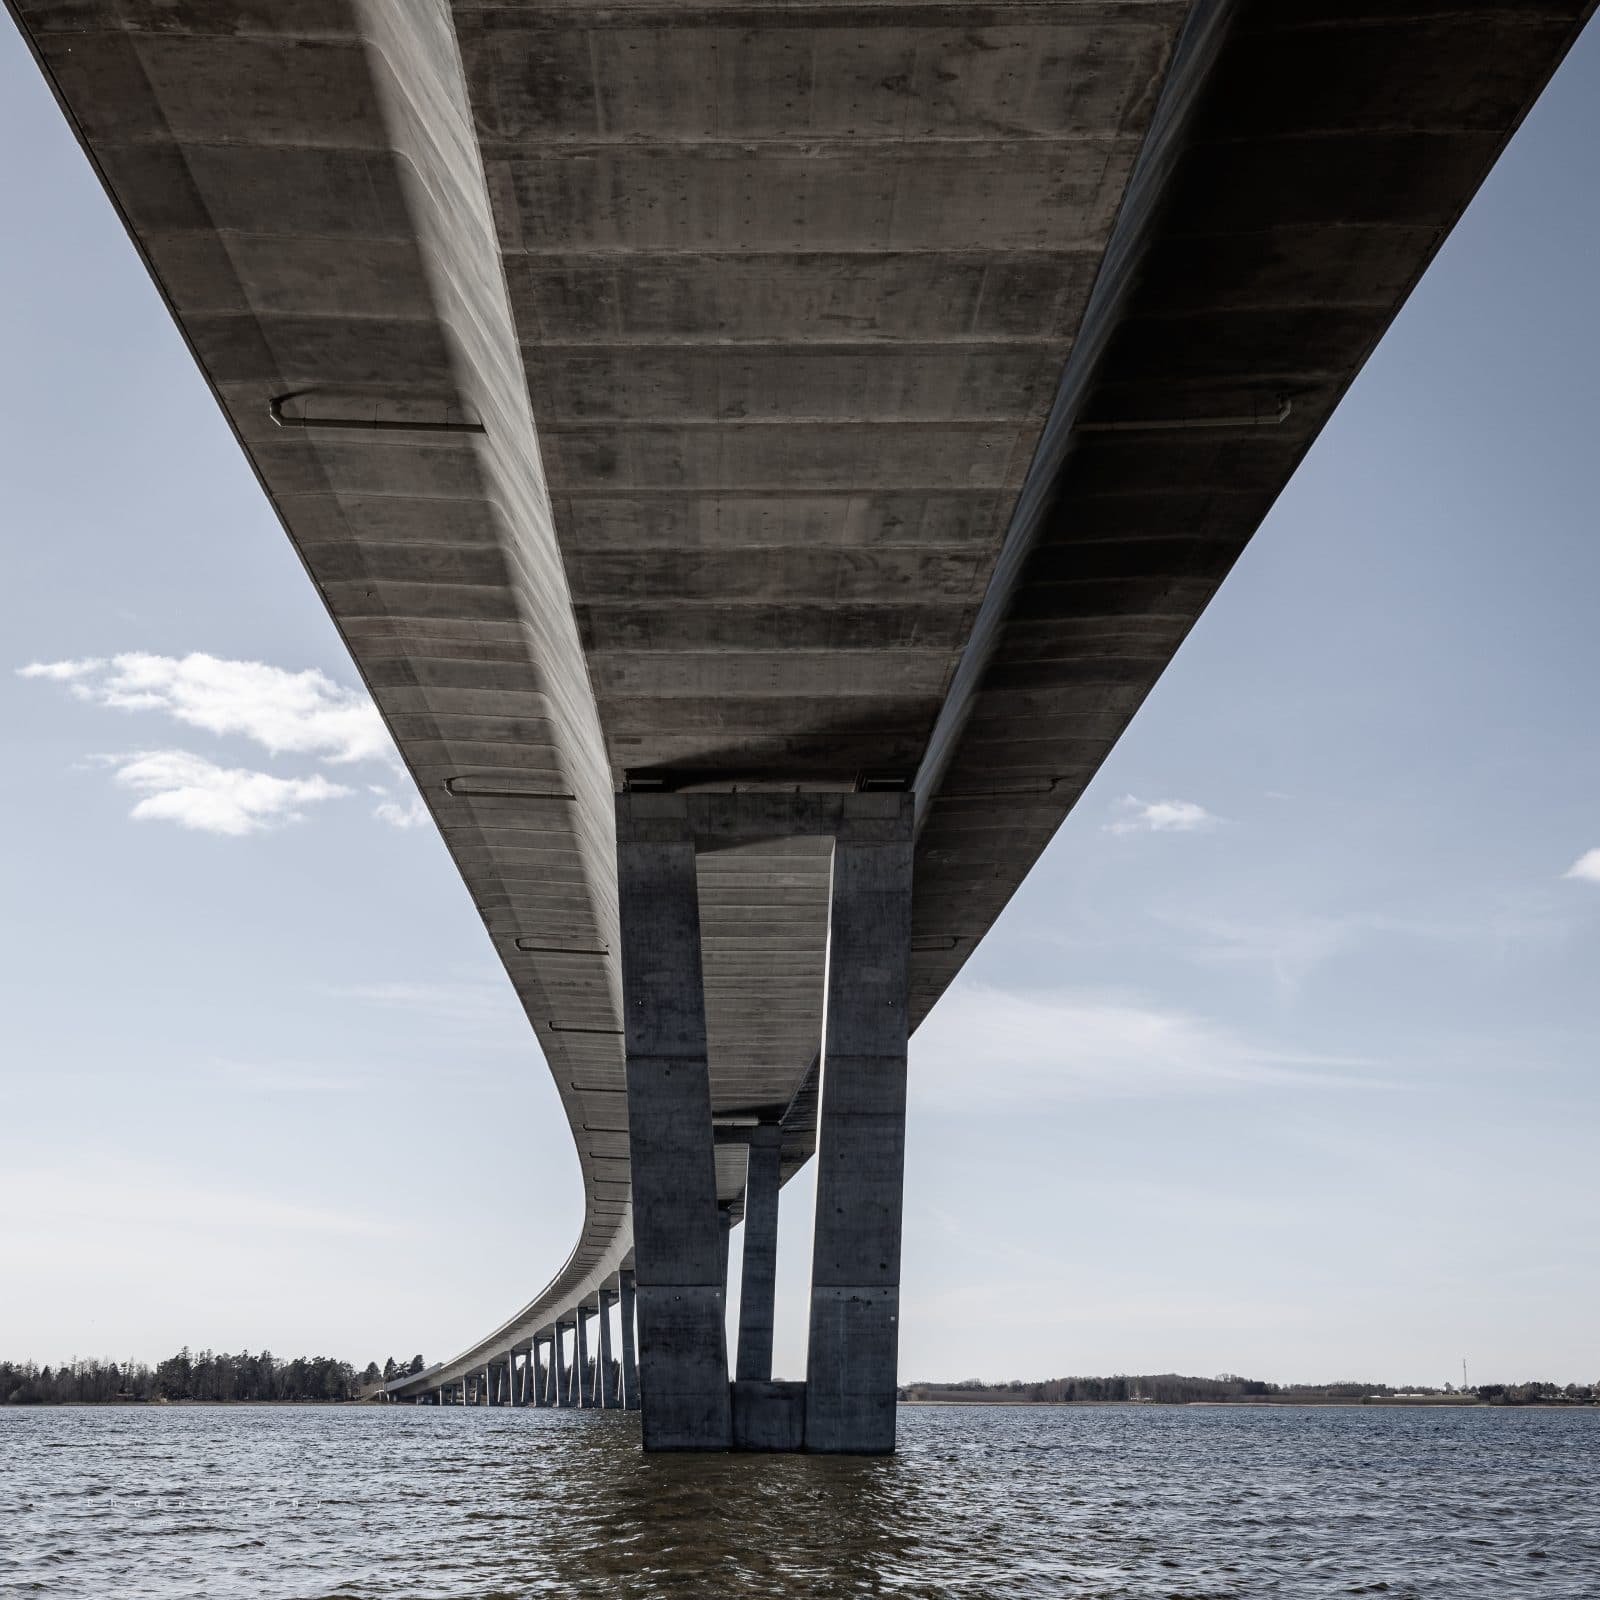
[{"x": 760, "y": 457}]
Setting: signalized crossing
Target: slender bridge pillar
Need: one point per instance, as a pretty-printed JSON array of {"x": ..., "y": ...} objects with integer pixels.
[
  {"x": 604, "y": 1386},
  {"x": 630, "y": 1365},
  {"x": 680, "y": 1243},
  {"x": 759, "y": 1275},
  {"x": 563, "y": 1388},
  {"x": 580, "y": 1358}
]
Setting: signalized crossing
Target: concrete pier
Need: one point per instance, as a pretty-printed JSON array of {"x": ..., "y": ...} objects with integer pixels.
[
  {"x": 604, "y": 1387},
  {"x": 630, "y": 1364},
  {"x": 561, "y": 1375},
  {"x": 758, "y": 1274},
  {"x": 683, "y": 1357},
  {"x": 725, "y": 1229},
  {"x": 580, "y": 1362},
  {"x": 855, "y": 1265}
]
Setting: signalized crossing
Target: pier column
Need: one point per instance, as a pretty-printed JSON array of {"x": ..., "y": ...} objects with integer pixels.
[
  {"x": 855, "y": 1271},
  {"x": 488, "y": 1387},
  {"x": 580, "y": 1360},
  {"x": 605, "y": 1390},
  {"x": 563, "y": 1388},
  {"x": 682, "y": 1334},
  {"x": 535, "y": 1376},
  {"x": 630, "y": 1365},
  {"x": 725, "y": 1227},
  {"x": 759, "y": 1273},
  {"x": 511, "y": 1379}
]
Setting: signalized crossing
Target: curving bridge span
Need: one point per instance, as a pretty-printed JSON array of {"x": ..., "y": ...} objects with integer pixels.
[{"x": 759, "y": 457}]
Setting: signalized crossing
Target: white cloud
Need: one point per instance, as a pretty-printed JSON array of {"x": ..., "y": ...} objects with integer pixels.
[
  {"x": 61, "y": 671},
  {"x": 195, "y": 793},
  {"x": 1160, "y": 816},
  {"x": 1586, "y": 868},
  {"x": 987, "y": 1047},
  {"x": 287, "y": 713},
  {"x": 411, "y": 815}
]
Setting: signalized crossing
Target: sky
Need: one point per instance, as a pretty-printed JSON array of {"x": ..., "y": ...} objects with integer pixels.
[{"x": 1283, "y": 1061}]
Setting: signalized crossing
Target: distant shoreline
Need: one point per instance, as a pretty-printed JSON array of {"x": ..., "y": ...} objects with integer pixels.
[{"x": 1266, "y": 1403}]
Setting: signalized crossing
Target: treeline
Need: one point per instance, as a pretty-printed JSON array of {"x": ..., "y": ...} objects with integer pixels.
[
  {"x": 1539, "y": 1394},
  {"x": 1170, "y": 1388},
  {"x": 1167, "y": 1387},
  {"x": 213, "y": 1376}
]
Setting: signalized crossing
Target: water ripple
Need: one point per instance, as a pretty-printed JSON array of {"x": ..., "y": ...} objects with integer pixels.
[{"x": 981, "y": 1503}]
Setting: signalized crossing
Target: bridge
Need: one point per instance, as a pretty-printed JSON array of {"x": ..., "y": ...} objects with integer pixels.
[{"x": 759, "y": 457}]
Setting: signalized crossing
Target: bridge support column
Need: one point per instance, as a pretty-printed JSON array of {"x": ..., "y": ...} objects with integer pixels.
[
  {"x": 759, "y": 1273},
  {"x": 604, "y": 1388},
  {"x": 682, "y": 1334},
  {"x": 535, "y": 1376},
  {"x": 563, "y": 1374},
  {"x": 630, "y": 1365},
  {"x": 725, "y": 1227},
  {"x": 855, "y": 1272},
  {"x": 580, "y": 1360}
]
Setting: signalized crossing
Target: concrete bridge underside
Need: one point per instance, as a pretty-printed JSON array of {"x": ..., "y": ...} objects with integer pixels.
[{"x": 854, "y": 399}]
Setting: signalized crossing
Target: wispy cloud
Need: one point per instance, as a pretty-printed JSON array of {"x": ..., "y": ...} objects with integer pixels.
[
  {"x": 477, "y": 1003},
  {"x": 287, "y": 713},
  {"x": 1586, "y": 869},
  {"x": 1291, "y": 946},
  {"x": 139, "y": 1196},
  {"x": 272, "y": 1077},
  {"x": 198, "y": 794},
  {"x": 413, "y": 814},
  {"x": 61, "y": 671},
  {"x": 1160, "y": 816},
  {"x": 1288, "y": 948},
  {"x": 988, "y": 1046}
]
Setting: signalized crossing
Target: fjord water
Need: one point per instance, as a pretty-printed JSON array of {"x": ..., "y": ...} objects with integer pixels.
[{"x": 981, "y": 1501}]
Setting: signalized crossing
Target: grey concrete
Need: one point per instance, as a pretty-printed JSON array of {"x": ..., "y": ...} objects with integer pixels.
[
  {"x": 724, "y": 1228},
  {"x": 855, "y": 1264},
  {"x": 759, "y": 1269},
  {"x": 768, "y": 1416},
  {"x": 605, "y": 1389},
  {"x": 677, "y": 1235},
  {"x": 581, "y": 1395},
  {"x": 563, "y": 1380},
  {"x": 880, "y": 391},
  {"x": 630, "y": 1365}
]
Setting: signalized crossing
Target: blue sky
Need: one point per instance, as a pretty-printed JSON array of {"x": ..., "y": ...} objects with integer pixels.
[{"x": 1283, "y": 1061}]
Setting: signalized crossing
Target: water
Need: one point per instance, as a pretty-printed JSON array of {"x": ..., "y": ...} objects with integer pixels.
[{"x": 1167, "y": 1503}]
